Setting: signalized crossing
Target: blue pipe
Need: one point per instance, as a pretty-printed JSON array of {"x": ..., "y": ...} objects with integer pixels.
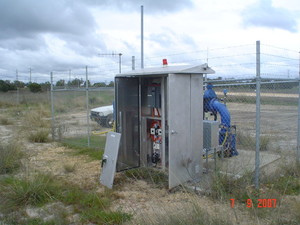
[
  {"x": 212, "y": 104},
  {"x": 219, "y": 107}
]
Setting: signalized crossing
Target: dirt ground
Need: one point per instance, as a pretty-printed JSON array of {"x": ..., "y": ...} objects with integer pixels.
[{"x": 137, "y": 197}]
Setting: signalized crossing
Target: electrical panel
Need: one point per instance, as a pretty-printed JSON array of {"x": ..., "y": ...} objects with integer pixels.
[
  {"x": 210, "y": 134},
  {"x": 154, "y": 96}
]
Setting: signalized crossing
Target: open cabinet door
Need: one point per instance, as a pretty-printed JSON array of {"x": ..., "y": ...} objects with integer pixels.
[
  {"x": 109, "y": 159},
  {"x": 127, "y": 122},
  {"x": 185, "y": 141}
]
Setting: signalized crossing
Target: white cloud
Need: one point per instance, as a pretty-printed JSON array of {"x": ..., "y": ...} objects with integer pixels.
[
  {"x": 265, "y": 14},
  {"x": 62, "y": 35}
]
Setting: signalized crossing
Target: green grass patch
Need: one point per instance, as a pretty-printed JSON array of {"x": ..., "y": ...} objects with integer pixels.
[
  {"x": 286, "y": 180},
  {"x": 225, "y": 187},
  {"x": 35, "y": 191},
  {"x": 95, "y": 216},
  {"x": 93, "y": 207},
  {"x": 79, "y": 144},
  {"x": 10, "y": 158}
]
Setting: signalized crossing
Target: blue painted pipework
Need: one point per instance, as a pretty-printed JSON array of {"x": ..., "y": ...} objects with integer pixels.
[{"x": 212, "y": 104}]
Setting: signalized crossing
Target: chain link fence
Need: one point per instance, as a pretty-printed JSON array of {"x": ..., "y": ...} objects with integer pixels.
[
  {"x": 71, "y": 113},
  {"x": 261, "y": 95},
  {"x": 278, "y": 124}
]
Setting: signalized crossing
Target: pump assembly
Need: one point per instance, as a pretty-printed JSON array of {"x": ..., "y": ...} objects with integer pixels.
[{"x": 227, "y": 132}]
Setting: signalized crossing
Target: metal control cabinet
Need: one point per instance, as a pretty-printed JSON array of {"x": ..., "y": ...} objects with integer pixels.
[
  {"x": 159, "y": 113},
  {"x": 210, "y": 134}
]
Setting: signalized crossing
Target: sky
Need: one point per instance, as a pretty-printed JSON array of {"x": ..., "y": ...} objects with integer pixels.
[{"x": 65, "y": 36}]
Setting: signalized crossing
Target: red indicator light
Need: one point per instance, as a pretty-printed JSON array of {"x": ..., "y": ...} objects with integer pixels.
[{"x": 165, "y": 62}]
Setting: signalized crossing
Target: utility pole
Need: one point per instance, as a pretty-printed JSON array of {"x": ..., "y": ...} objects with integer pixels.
[
  {"x": 114, "y": 54},
  {"x": 142, "y": 37},
  {"x": 17, "y": 83},
  {"x": 30, "y": 75}
]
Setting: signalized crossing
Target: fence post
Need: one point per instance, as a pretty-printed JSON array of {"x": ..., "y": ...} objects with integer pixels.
[
  {"x": 18, "y": 87},
  {"x": 257, "y": 124},
  {"x": 133, "y": 62},
  {"x": 52, "y": 106},
  {"x": 298, "y": 132},
  {"x": 87, "y": 105}
]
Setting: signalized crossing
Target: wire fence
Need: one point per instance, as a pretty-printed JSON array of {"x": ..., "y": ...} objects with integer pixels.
[{"x": 262, "y": 98}]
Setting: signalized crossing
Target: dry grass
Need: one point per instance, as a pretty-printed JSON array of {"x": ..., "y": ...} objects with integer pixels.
[
  {"x": 246, "y": 141},
  {"x": 36, "y": 124},
  {"x": 36, "y": 119},
  {"x": 5, "y": 121},
  {"x": 40, "y": 135},
  {"x": 10, "y": 158},
  {"x": 69, "y": 168},
  {"x": 192, "y": 213}
]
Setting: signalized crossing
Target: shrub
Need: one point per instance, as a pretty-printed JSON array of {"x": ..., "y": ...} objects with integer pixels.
[{"x": 35, "y": 87}]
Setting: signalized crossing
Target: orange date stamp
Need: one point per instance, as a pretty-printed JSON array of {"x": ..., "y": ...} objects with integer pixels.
[{"x": 258, "y": 203}]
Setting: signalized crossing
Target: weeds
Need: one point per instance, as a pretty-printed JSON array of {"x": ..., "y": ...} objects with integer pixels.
[
  {"x": 69, "y": 168},
  {"x": 10, "y": 158},
  {"x": 93, "y": 207},
  {"x": 225, "y": 187},
  {"x": 286, "y": 180},
  {"x": 5, "y": 121},
  {"x": 28, "y": 191},
  {"x": 246, "y": 141},
  {"x": 39, "y": 136},
  {"x": 37, "y": 119},
  {"x": 151, "y": 176}
]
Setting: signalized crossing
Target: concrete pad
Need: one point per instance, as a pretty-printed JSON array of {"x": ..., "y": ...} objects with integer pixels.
[
  {"x": 243, "y": 163},
  {"x": 236, "y": 166}
]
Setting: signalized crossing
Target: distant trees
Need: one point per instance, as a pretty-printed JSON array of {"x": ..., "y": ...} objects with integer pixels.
[
  {"x": 111, "y": 84},
  {"x": 35, "y": 87},
  {"x": 100, "y": 84},
  {"x": 60, "y": 83},
  {"x": 19, "y": 84},
  {"x": 6, "y": 85},
  {"x": 103, "y": 84},
  {"x": 46, "y": 86},
  {"x": 76, "y": 82}
]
